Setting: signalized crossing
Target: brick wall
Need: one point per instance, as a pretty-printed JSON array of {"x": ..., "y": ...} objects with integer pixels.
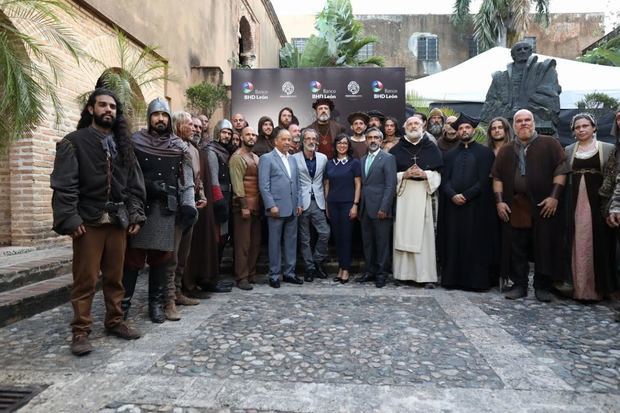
[{"x": 25, "y": 195}]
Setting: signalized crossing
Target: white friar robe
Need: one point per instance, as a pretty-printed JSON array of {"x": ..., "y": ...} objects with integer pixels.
[{"x": 414, "y": 230}]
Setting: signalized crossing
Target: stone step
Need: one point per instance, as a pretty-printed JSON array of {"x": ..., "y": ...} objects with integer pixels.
[
  {"x": 31, "y": 266},
  {"x": 34, "y": 298}
]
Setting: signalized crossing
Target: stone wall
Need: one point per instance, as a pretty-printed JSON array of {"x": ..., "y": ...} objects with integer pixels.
[{"x": 565, "y": 36}]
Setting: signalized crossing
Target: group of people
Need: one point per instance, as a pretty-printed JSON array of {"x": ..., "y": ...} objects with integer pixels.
[{"x": 431, "y": 206}]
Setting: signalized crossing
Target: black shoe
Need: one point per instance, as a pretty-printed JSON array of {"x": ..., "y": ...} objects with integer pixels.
[
  {"x": 220, "y": 287},
  {"x": 366, "y": 277},
  {"x": 544, "y": 296},
  {"x": 274, "y": 283},
  {"x": 309, "y": 276},
  {"x": 337, "y": 279},
  {"x": 320, "y": 272},
  {"x": 380, "y": 282},
  {"x": 292, "y": 279},
  {"x": 516, "y": 292},
  {"x": 157, "y": 286}
]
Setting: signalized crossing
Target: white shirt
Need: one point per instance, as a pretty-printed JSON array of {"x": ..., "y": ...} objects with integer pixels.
[{"x": 284, "y": 158}]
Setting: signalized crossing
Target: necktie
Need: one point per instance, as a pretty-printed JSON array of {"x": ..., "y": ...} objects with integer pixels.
[{"x": 369, "y": 159}]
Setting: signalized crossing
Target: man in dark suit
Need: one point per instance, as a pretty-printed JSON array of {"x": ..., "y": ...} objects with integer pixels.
[
  {"x": 378, "y": 190},
  {"x": 278, "y": 181}
]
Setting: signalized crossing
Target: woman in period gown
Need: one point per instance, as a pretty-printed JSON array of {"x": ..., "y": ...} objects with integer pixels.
[{"x": 592, "y": 240}]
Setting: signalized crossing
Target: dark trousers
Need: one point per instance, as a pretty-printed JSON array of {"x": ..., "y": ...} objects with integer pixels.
[
  {"x": 314, "y": 216},
  {"x": 102, "y": 249},
  {"x": 520, "y": 253},
  {"x": 342, "y": 228},
  {"x": 246, "y": 239},
  {"x": 376, "y": 240}
]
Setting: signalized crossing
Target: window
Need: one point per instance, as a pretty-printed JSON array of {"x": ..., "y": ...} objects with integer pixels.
[
  {"x": 425, "y": 46},
  {"x": 299, "y": 43},
  {"x": 532, "y": 41},
  {"x": 366, "y": 51}
]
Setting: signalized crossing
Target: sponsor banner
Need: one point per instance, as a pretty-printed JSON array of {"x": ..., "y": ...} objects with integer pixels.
[{"x": 263, "y": 92}]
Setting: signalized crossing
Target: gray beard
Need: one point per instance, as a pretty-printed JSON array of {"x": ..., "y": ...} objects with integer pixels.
[
  {"x": 323, "y": 118},
  {"x": 435, "y": 129}
]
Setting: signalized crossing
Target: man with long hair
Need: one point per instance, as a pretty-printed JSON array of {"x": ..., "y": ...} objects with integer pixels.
[{"x": 98, "y": 199}]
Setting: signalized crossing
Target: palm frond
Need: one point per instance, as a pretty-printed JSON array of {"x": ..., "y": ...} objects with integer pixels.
[
  {"x": 460, "y": 14},
  {"x": 542, "y": 12}
]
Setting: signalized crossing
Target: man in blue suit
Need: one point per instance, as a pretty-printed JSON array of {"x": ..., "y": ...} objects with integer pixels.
[
  {"x": 378, "y": 190},
  {"x": 278, "y": 181}
]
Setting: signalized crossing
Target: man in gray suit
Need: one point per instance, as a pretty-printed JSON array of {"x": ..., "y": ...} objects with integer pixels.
[
  {"x": 311, "y": 165},
  {"x": 278, "y": 181},
  {"x": 378, "y": 190}
]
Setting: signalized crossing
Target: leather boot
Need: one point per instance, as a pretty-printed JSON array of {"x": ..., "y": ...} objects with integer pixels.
[
  {"x": 170, "y": 309},
  {"x": 130, "y": 277},
  {"x": 157, "y": 287}
]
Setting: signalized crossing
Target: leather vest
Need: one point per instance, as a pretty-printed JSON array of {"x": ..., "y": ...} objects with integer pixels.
[{"x": 250, "y": 182}]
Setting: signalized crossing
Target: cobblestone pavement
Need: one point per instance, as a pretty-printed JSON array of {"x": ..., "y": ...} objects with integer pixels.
[{"x": 326, "y": 347}]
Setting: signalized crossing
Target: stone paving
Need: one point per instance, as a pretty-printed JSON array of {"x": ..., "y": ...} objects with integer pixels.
[{"x": 325, "y": 347}]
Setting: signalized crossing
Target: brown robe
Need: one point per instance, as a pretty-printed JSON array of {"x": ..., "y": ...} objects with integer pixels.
[
  {"x": 544, "y": 159},
  {"x": 202, "y": 266},
  {"x": 326, "y": 143}
]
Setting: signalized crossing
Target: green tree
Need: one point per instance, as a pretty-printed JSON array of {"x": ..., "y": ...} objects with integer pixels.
[
  {"x": 136, "y": 70},
  {"x": 500, "y": 22},
  {"x": 607, "y": 53},
  {"x": 206, "y": 97},
  {"x": 30, "y": 63},
  {"x": 338, "y": 43}
]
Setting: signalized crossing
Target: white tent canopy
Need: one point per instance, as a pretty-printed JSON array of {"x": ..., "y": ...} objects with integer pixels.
[{"x": 470, "y": 80}]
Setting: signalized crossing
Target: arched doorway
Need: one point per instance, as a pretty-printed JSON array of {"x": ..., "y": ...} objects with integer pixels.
[{"x": 247, "y": 54}]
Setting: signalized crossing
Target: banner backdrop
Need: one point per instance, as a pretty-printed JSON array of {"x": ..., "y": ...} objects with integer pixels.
[{"x": 260, "y": 92}]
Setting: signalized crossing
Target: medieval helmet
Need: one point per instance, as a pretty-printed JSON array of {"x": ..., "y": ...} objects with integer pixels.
[
  {"x": 158, "y": 105},
  {"x": 223, "y": 124}
]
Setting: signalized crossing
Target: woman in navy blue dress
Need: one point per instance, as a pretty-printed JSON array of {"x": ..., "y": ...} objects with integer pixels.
[{"x": 342, "y": 190}]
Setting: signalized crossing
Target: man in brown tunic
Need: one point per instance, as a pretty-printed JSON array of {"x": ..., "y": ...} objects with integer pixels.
[
  {"x": 246, "y": 209},
  {"x": 528, "y": 179},
  {"x": 328, "y": 129}
]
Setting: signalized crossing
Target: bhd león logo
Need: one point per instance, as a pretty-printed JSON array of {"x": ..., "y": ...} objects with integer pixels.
[
  {"x": 247, "y": 87},
  {"x": 315, "y": 86},
  {"x": 376, "y": 86},
  {"x": 250, "y": 92}
]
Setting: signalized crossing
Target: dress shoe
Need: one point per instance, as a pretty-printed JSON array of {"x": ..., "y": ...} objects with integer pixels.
[
  {"x": 274, "y": 283},
  {"x": 320, "y": 272},
  {"x": 171, "y": 312},
  {"x": 516, "y": 292},
  {"x": 80, "y": 345},
  {"x": 244, "y": 285},
  {"x": 309, "y": 276},
  {"x": 292, "y": 279},
  {"x": 220, "y": 287},
  {"x": 380, "y": 282},
  {"x": 366, "y": 277},
  {"x": 337, "y": 279},
  {"x": 183, "y": 300},
  {"x": 429, "y": 286},
  {"x": 124, "y": 331},
  {"x": 544, "y": 296}
]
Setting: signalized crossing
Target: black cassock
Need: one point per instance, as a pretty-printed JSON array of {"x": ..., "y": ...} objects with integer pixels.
[{"x": 466, "y": 233}]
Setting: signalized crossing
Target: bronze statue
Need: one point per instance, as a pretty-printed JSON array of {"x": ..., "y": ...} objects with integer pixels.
[{"x": 526, "y": 84}]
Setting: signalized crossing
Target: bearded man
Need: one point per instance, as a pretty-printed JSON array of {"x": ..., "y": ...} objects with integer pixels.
[
  {"x": 529, "y": 175},
  {"x": 98, "y": 199},
  {"x": 448, "y": 140},
  {"x": 247, "y": 209},
  {"x": 435, "y": 123},
  {"x": 418, "y": 162},
  {"x": 169, "y": 181},
  {"x": 465, "y": 224},
  {"x": 328, "y": 129},
  {"x": 358, "y": 122}
]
